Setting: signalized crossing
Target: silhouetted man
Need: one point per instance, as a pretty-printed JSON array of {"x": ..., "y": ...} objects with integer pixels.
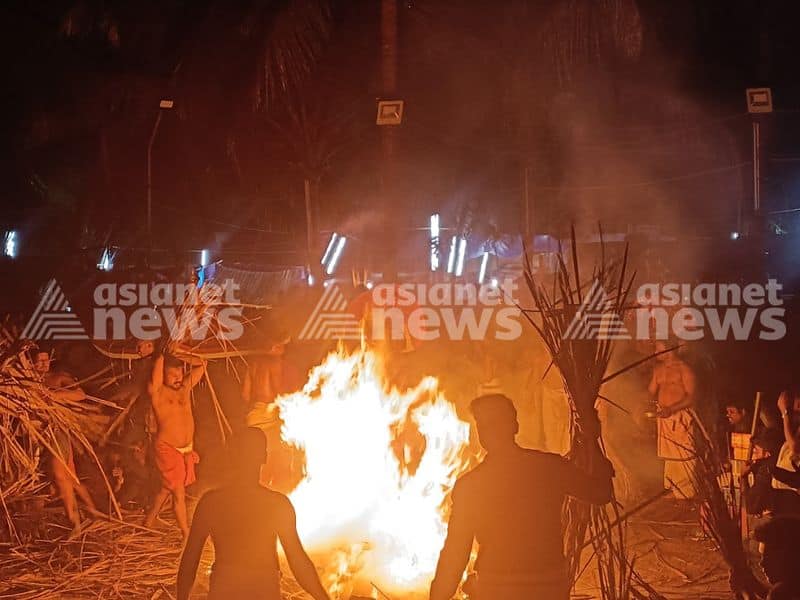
[
  {"x": 244, "y": 521},
  {"x": 786, "y": 496},
  {"x": 511, "y": 504},
  {"x": 779, "y": 558}
]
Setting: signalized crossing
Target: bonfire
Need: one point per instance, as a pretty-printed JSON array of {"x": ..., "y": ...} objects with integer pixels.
[{"x": 379, "y": 465}]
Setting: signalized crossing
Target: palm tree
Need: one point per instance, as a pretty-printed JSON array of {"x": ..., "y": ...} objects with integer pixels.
[{"x": 222, "y": 63}]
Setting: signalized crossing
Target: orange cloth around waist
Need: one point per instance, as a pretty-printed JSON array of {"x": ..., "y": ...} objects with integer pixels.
[{"x": 176, "y": 466}]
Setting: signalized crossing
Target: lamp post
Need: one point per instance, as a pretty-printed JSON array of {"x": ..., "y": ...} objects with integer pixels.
[
  {"x": 164, "y": 104},
  {"x": 759, "y": 101}
]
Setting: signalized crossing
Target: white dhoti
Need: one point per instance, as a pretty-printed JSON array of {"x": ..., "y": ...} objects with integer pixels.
[
  {"x": 676, "y": 448},
  {"x": 278, "y": 471}
]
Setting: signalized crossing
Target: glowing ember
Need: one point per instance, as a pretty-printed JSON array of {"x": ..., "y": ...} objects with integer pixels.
[{"x": 379, "y": 465}]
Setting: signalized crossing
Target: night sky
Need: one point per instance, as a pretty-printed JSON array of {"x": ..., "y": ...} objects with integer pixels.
[{"x": 633, "y": 120}]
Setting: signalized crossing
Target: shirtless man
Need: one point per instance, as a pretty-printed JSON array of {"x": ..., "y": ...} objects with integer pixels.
[
  {"x": 245, "y": 521},
  {"x": 268, "y": 377},
  {"x": 62, "y": 464},
  {"x": 170, "y": 391},
  {"x": 673, "y": 383}
]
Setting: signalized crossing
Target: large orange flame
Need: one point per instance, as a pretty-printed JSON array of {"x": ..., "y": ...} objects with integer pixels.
[{"x": 379, "y": 465}]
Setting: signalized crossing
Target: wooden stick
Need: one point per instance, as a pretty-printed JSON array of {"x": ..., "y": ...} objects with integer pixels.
[
  {"x": 221, "y": 418},
  {"x": 742, "y": 509},
  {"x": 120, "y": 418},
  {"x": 638, "y": 508}
]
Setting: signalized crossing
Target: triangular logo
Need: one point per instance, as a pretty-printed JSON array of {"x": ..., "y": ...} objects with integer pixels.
[
  {"x": 596, "y": 318},
  {"x": 330, "y": 319},
  {"x": 52, "y": 319}
]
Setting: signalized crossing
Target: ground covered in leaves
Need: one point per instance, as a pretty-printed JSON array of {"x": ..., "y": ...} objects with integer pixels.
[{"x": 124, "y": 560}]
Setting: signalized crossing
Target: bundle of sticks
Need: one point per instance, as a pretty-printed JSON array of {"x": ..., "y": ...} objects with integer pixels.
[
  {"x": 577, "y": 319},
  {"x": 34, "y": 420}
]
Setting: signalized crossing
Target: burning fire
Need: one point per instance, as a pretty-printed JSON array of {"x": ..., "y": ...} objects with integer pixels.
[{"x": 379, "y": 465}]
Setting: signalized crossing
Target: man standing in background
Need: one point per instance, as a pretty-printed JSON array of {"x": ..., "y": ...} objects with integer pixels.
[
  {"x": 673, "y": 384},
  {"x": 62, "y": 465},
  {"x": 269, "y": 376}
]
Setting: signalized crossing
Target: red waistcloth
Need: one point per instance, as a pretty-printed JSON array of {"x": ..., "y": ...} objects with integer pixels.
[{"x": 176, "y": 468}]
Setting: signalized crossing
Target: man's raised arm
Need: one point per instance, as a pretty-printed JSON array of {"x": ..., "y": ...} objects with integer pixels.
[
  {"x": 68, "y": 389},
  {"x": 303, "y": 569},
  {"x": 196, "y": 374},
  {"x": 198, "y": 365},
  {"x": 789, "y": 432},
  {"x": 247, "y": 388},
  {"x": 156, "y": 377}
]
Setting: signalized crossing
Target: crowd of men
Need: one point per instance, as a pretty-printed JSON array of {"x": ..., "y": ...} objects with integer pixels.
[{"x": 510, "y": 503}]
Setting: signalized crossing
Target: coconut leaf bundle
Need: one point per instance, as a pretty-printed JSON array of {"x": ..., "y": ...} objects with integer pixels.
[
  {"x": 35, "y": 420},
  {"x": 718, "y": 517},
  {"x": 578, "y": 321}
]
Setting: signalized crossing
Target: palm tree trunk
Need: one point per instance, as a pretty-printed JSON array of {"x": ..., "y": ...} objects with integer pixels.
[{"x": 388, "y": 178}]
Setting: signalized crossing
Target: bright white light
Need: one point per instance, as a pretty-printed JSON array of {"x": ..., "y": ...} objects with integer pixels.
[
  {"x": 434, "y": 242},
  {"x": 735, "y": 235},
  {"x": 495, "y": 283},
  {"x": 336, "y": 254},
  {"x": 484, "y": 264},
  {"x": 327, "y": 282},
  {"x": 204, "y": 254},
  {"x": 310, "y": 279},
  {"x": 462, "y": 251},
  {"x": 434, "y": 226},
  {"x": 106, "y": 262},
  {"x": 451, "y": 259},
  {"x": 370, "y": 285},
  {"x": 328, "y": 249},
  {"x": 10, "y": 246}
]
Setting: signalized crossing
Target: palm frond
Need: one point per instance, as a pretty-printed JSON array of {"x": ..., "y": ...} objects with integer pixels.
[{"x": 583, "y": 362}]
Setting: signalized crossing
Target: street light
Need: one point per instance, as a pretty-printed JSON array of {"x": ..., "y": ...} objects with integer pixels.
[
  {"x": 10, "y": 245},
  {"x": 164, "y": 104},
  {"x": 462, "y": 249},
  {"x": 484, "y": 264},
  {"x": 434, "y": 229},
  {"x": 106, "y": 262}
]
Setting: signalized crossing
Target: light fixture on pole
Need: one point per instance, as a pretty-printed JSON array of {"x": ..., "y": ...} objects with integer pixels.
[
  {"x": 462, "y": 251},
  {"x": 11, "y": 244},
  {"x": 324, "y": 260},
  {"x": 164, "y": 104},
  {"x": 106, "y": 262},
  {"x": 759, "y": 101},
  {"x": 333, "y": 252},
  {"x": 434, "y": 229},
  {"x": 451, "y": 258},
  {"x": 484, "y": 264}
]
